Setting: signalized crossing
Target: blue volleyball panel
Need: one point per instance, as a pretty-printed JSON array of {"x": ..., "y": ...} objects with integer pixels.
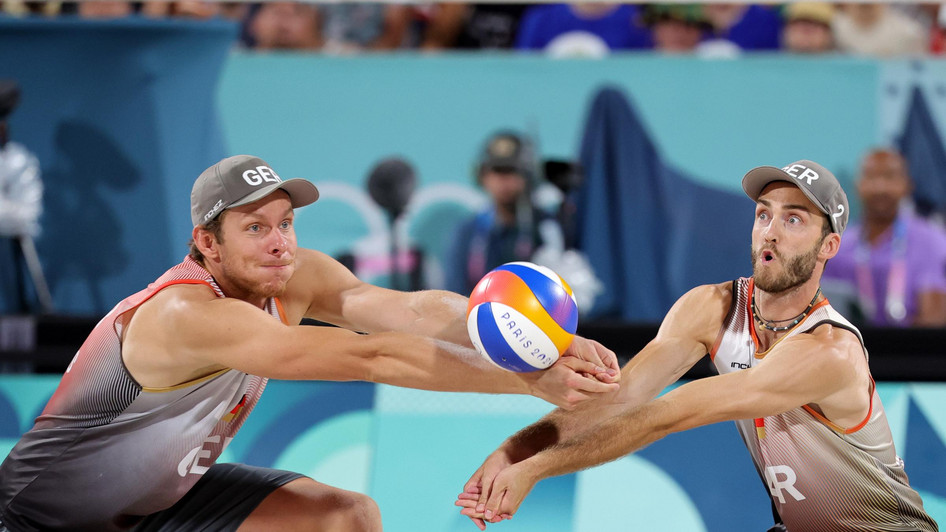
[
  {"x": 553, "y": 297},
  {"x": 495, "y": 345}
]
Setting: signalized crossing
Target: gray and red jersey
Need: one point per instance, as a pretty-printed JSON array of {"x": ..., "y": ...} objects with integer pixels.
[
  {"x": 106, "y": 449},
  {"x": 820, "y": 476}
]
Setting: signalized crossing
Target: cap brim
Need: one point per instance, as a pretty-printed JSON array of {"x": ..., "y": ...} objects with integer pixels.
[
  {"x": 301, "y": 192},
  {"x": 758, "y": 178}
]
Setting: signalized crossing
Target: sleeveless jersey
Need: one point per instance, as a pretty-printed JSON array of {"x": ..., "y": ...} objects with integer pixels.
[
  {"x": 822, "y": 477},
  {"x": 105, "y": 449}
]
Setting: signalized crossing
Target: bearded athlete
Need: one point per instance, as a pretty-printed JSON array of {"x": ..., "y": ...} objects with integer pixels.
[{"x": 794, "y": 377}]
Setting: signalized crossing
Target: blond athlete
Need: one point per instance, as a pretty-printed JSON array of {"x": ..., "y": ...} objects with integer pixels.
[
  {"x": 793, "y": 376},
  {"x": 165, "y": 380}
]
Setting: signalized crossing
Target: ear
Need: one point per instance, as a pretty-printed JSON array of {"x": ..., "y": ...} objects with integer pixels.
[
  {"x": 206, "y": 243},
  {"x": 830, "y": 246}
]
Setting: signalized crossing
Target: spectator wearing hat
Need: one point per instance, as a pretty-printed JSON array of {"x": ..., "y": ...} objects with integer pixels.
[
  {"x": 677, "y": 28},
  {"x": 807, "y": 28},
  {"x": 511, "y": 227},
  {"x": 891, "y": 270}
]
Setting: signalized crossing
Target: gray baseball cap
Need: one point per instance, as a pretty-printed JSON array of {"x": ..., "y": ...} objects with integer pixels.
[
  {"x": 816, "y": 181},
  {"x": 239, "y": 180}
]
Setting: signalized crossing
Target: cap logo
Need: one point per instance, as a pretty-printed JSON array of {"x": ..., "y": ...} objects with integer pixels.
[
  {"x": 807, "y": 174},
  {"x": 503, "y": 147},
  {"x": 259, "y": 175},
  {"x": 212, "y": 212},
  {"x": 838, "y": 214}
]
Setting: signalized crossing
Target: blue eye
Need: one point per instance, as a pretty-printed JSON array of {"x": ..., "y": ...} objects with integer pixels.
[
  {"x": 285, "y": 224},
  {"x": 254, "y": 228}
]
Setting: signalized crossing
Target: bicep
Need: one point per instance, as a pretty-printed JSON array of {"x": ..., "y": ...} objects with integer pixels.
[{"x": 236, "y": 335}]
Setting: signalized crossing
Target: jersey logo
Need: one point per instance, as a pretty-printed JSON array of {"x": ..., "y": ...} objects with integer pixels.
[
  {"x": 779, "y": 478},
  {"x": 191, "y": 461},
  {"x": 236, "y": 410}
]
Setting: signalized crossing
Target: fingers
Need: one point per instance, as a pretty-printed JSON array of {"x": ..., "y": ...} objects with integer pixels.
[
  {"x": 609, "y": 359},
  {"x": 469, "y": 510},
  {"x": 583, "y": 366},
  {"x": 499, "y": 508},
  {"x": 473, "y": 485},
  {"x": 595, "y": 353}
]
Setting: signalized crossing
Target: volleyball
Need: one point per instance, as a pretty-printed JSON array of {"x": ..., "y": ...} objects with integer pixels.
[{"x": 522, "y": 316}]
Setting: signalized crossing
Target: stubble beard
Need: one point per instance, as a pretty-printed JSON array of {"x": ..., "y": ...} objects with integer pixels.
[
  {"x": 248, "y": 288},
  {"x": 798, "y": 270}
]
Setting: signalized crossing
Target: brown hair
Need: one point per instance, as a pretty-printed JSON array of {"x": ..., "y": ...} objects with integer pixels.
[{"x": 215, "y": 226}]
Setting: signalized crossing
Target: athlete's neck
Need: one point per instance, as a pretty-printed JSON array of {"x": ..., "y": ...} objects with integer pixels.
[{"x": 779, "y": 310}]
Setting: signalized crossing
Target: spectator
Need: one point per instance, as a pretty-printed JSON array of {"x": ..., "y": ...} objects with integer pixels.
[
  {"x": 286, "y": 25},
  {"x": 511, "y": 228},
  {"x": 105, "y": 9},
  {"x": 875, "y": 30},
  {"x": 807, "y": 28},
  {"x": 891, "y": 270},
  {"x": 747, "y": 26},
  {"x": 358, "y": 26},
  {"x": 676, "y": 28},
  {"x": 194, "y": 9},
  {"x": 590, "y": 29},
  {"x": 471, "y": 26}
]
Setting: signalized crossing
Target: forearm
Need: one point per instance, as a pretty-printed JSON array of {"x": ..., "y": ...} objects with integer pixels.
[
  {"x": 645, "y": 376},
  {"x": 430, "y": 364},
  {"x": 609, "y": 440},
  {"x": 439, "y": 314},
  {"x": 436, "y": 314}
]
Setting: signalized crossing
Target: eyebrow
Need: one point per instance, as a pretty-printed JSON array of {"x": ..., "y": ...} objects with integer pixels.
[{"x": 790, "y": 206}]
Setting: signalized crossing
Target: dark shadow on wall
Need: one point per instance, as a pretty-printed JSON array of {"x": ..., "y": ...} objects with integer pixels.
[{"x": 83, "y": 232}]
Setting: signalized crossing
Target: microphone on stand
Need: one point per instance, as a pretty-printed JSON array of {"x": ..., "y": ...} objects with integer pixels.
[{"x": 391, "y": 184}]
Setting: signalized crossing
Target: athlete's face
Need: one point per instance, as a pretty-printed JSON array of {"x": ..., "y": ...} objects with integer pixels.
[
  {"x": 256, "y": 255},
  {"x": 787, "y": 239}
]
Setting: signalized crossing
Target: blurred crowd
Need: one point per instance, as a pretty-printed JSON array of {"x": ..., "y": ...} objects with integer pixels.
[{"x": 580, "y": 29}]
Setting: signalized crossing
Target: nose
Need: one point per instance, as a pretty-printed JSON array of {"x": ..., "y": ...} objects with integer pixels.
[
  {"x": 770, "y": 232},
  {"x": 278, "y": 242}
]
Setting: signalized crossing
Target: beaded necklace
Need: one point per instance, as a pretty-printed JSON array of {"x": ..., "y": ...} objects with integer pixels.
[{"x": 770, "y": 324}]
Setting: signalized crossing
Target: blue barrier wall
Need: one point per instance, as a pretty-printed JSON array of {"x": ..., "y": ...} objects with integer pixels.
[
  {"x": 124, "y": 114},
  {"x": 413, "y": 450},
  {"x": 122, "y": 118}
]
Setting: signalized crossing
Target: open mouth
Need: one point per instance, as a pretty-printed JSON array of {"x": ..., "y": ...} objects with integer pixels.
[{"x": 767, "y": 256}]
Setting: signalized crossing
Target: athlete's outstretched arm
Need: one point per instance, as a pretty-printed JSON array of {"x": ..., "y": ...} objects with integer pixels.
[
  {"x": 331, "y": 293},
  {"x": 820, "y": 367},
  {"x": 685, "y": 336},
  {"x": 187, "y": 326}
]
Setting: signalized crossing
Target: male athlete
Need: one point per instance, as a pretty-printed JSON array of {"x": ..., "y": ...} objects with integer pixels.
[
  {"x": 793, "y": 376},
  {"x": 165, "y": 380}
]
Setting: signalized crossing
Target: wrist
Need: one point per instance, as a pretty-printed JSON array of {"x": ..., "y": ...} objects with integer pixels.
[
  {"x": 529, "y": 382},
  {"x": 536, "y": 467}
]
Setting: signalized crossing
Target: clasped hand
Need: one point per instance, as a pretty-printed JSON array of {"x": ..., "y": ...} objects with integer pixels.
[
  {"x": 585, "y": 371},
  {"x": 496, "y": 489}
]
